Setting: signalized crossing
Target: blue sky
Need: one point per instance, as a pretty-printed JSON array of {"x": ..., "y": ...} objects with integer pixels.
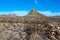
[{"x": 23, "y": 7}]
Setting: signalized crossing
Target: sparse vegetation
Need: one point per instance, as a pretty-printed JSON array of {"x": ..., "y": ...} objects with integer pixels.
[{"x": 33, "y": 26}]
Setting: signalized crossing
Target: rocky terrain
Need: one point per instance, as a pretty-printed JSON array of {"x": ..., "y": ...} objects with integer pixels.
[{"x": 33, "y": 26}]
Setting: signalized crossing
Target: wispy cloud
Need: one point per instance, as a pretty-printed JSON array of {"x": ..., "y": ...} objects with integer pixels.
[
  {"x": 35, "y": 1},
  {"x": 23, "y": 13}
]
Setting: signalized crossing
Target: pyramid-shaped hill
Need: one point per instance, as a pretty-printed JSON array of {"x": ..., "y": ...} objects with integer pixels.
[
  {"x": 34, "y": 16},
  {"x": 34, "y": 13}
]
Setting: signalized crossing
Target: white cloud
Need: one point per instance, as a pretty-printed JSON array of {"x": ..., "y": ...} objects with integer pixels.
[
  {"x": 22, "y": 13},
  {"x": 35, "y": 1},
  {"x": 19, "y": 13},
  {"x": 49, "y": 13}
]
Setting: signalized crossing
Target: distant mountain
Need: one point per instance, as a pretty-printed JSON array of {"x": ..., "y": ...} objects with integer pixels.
[
  {"x": 54, "y": 16},
  {"x": 57, "y": 18},
  {"x": 7, "y": 15}
]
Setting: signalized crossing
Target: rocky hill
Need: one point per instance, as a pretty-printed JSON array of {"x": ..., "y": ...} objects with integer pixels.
[{"x": 33, "y": 26}]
